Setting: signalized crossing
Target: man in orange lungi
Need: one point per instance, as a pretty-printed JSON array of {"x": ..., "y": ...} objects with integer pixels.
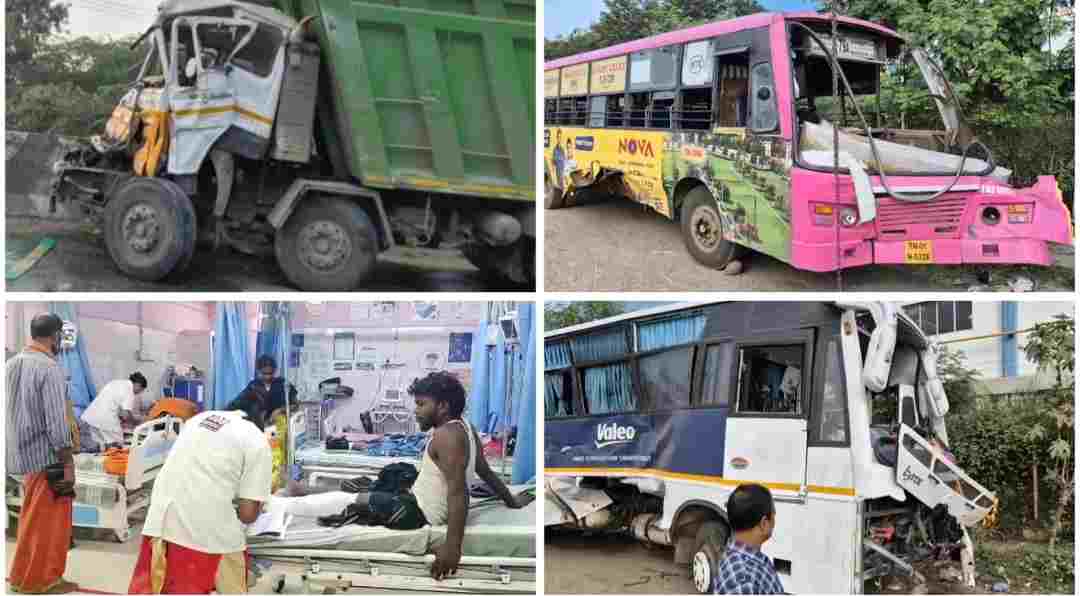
[
  {"x": 194, "y": 538},
  {"x": 39, "y": 444}
]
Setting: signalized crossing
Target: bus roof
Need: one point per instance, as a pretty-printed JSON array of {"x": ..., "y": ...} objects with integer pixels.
[
  {"x": 707, "y": 30},
  {"x": 637, "y": 314}
]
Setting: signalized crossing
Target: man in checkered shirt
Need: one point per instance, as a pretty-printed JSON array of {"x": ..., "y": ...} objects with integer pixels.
[{"x": 745, "y": 569}]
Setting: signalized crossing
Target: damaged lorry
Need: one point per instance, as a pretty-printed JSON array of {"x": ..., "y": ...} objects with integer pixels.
[
  {"x": 326, "y": 133},
  {"x": 738, "y": 131},
  {"x": 653, "y": 418}
]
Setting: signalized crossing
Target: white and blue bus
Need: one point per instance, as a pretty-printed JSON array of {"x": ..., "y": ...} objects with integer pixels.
[{"x": 654, "y": 417}]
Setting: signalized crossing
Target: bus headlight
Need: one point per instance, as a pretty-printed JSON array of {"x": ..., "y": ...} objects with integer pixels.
[
  {"x": 848, "y": 217},
  {"x": 991, "y": 216}
]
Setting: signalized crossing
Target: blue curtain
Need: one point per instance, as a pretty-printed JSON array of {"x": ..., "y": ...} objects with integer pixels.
[
  {"x": 525, "y": 400},
  {"x": 234, "y": 367},
  {"x": 670, "y": 332},
  {"x": 81, "y": 389},
  {"x": 556, "y": 355},
  {"x": 608, "y": 389},
  {"x": 476, "y": 408},
  {"x": 599, "y": 346},
  {"x": 488, "y": 395},
  {"x": 553, "y": 398}
]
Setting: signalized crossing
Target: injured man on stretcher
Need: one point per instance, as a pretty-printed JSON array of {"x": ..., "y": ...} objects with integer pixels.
[{"x": 402, "y": 498}]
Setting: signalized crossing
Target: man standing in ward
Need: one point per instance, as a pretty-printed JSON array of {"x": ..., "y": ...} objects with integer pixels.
[
  {"x": 116, "y": 403},
  {"x": 193, "y": 532},
  {"x": 38, "y": 437}
]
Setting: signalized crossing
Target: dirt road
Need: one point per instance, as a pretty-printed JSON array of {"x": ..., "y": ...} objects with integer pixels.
[
  {"x": 619, "y": 246},
  {"x": 609, "y": 564},
  {"x": 80, "y": 263}
]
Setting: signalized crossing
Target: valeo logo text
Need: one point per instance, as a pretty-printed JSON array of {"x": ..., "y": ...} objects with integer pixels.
[{"x": 613, "y": 433}]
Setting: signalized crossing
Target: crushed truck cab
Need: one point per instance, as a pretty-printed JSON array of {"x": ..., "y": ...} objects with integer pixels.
[{"x": 328, "y": 134}]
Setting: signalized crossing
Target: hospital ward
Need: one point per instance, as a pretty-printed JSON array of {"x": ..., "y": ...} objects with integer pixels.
[{"x": 270, "y": 447}]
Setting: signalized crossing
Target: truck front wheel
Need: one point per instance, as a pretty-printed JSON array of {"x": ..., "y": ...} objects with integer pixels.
[
  {"x": 150, "y": 228},
  {"x": 328, "y": 244}
]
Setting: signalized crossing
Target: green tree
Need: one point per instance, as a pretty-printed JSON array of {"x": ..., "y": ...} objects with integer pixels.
[
  {"x": 28, "y": 24},
  {"x": 560, "y": 315},
  {"x": 1051, "y": 347},
  {"x": 958, "y": 379},
  {"x": 76, "y": 86}
]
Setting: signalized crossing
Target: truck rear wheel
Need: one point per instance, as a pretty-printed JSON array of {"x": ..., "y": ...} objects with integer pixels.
[
  {"x": 703, "y": 230},
  {"x": 709, "y": 548},
  {"x": 328, "y": 244},
  {"x": 150, "y": 228}
]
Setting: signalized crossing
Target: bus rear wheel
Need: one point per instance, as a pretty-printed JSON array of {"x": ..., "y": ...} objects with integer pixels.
[
  {"x": 709, "y": 547},
  {"x": 703, "y": 230}
]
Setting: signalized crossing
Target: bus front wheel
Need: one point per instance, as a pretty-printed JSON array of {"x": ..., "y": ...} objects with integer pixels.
[
  {"x": 703, "y": 230},
  {"x": 709, "y": 547}
]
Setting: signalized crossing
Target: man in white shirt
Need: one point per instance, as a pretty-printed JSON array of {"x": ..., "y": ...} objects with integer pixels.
[
  {"x": 115, "y": 403},
  {"x": 192, "y": 528}
]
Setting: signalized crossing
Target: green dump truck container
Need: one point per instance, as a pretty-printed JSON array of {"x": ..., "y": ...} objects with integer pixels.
[
  {"x": 432, "y": 95},
  {"x": 328, "y": 133}
]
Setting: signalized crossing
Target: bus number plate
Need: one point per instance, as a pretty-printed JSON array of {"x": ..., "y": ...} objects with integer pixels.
[{"x": 919, "y": 251}]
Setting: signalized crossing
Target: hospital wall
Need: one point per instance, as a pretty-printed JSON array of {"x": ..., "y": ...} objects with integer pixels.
[
  {"x": 110, "y": 331},
  {"x": 405, "y": 334}
]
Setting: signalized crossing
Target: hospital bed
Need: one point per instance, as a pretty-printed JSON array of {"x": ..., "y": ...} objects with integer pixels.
[
  {"x": 498, "y": 553},
  {"x": 316, "y": 463},
  {"x": 108, "y": 501}
]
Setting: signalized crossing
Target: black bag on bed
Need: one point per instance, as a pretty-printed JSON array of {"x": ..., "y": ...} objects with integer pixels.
[{"x": 395, "y": 478}]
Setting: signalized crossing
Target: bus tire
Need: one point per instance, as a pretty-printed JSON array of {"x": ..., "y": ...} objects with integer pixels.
[
  {"x": 553, "y": 197},
  {"x": 702, "y": 230},
  {"x": 710, "y": 545},
  {"x": 150, "y": 228},
  {"x": 328, "y": 244}
]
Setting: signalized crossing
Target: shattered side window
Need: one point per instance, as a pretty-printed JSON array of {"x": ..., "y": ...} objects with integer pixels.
[{"x": 258, "y": 55}]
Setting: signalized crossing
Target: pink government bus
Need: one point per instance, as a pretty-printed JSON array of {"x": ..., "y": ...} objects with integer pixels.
[{"x": 733, "y": 129}]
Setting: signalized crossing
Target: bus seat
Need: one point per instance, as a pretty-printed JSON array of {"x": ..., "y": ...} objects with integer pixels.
[{"x": 884, "y": 445}]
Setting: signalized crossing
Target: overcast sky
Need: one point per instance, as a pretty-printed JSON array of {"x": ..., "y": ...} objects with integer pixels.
[{"x": 110, "y": 18}]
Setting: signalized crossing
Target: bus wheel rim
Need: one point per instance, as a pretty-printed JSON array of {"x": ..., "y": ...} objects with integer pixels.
[
  {"x": 705, "y": 228},
  {"x": 702, "y": 572}
]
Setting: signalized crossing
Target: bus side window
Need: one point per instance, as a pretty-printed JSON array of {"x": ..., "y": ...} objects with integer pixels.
[
  {"x": 566, "y": 110},
  {"x": 639, "y": 108},
  {"x": 615, "y": 110},
  {"x": 551, "y": 111},
  {"x": 696, "y": 109},
  {"x": 660, "y": 112},
  {"x": 731, "y": 91},
  {"x": 770, "y": 380},
  {"x": 831, "y": 424},
  {"x": 581, "y": 110},
  {"x": 716, "y": 379},
  {"x": 558, "y": 394},
  {"x": 665, "y": 379},
  {"x": 763, "y": 115},
  {"x": 597, "y": 111}
]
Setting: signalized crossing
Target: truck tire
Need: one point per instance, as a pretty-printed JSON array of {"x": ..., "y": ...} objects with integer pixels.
[
  {"x": 553, "y": 197},
  {"x": 709, "y": 548},
  {"x": 150, "y": 228},
  {"x": 329, "y": 244},
  {"x": 702, "y": 230}
]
